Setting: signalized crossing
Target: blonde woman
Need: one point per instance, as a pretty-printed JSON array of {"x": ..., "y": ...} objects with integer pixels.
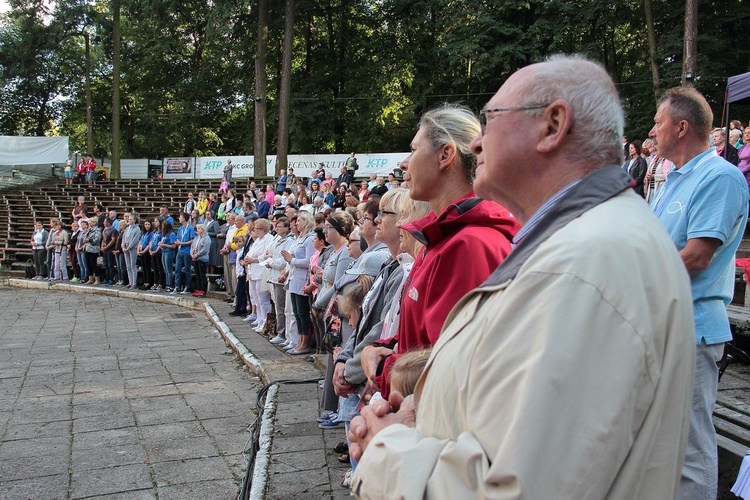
[
  {"x": 199, "y": 252},
  {"x": 257, "y": 272},
  {"x": 299, "y": 260}
]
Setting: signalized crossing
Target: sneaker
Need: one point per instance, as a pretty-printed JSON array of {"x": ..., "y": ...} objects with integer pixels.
[
  {"x": 278, "y": 340},
  {"x": 290, "y": 347},
  {"x": 328, "y": 416},
  {"x": 331, "y": 424},
  {"x": 74, "y": 280},
  {"x": 295, "y": 352},
  {"x": 197, "y": 293},
  {"x": 174, "y": 292},
  {"x": 184, "y": 291},
  {"x": 259, "y": 329},
  {"x": 249, "y": 318}
]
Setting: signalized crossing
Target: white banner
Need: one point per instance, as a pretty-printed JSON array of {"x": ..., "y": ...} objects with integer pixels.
[
  {"x": 212, "y": 167},
  {"x": 33, "y": 150}
]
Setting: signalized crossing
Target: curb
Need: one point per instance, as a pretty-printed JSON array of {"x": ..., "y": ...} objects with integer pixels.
[
  {"x": 262, "y": 458},
  {"x": 253, "y": 363}
]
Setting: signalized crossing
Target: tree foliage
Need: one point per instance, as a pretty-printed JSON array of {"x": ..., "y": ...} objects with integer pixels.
[{"x": 362, "y": 70}]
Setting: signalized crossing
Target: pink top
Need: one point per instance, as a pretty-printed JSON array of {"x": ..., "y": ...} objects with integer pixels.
[
  {"x": 269, "y": 197},
  {"x": 744, "y": 165}
]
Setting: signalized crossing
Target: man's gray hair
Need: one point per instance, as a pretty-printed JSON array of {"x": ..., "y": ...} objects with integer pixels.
[{"x": 598, "y": 117}]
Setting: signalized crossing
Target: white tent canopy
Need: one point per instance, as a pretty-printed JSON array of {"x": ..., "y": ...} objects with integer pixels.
[{"x": 33, "y": 150}]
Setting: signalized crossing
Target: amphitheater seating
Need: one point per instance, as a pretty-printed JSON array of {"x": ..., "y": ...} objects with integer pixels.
[{"x": 21, "y": 206}]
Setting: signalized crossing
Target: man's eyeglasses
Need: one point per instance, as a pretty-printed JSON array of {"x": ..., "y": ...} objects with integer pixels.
[
  {"x": 354, "y": 241},
  {"x": 483, "y": 113},
  {"x": 364, "y": 218},
  {"x": 381, "y": 213}
]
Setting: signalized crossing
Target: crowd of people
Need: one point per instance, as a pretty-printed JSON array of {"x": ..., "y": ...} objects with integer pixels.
[{"x": 513, "y": 284}]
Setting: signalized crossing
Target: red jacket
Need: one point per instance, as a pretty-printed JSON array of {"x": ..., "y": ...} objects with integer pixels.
[
  {"x": 91, "y": 165},
  {"x": 463, "y": 245}
]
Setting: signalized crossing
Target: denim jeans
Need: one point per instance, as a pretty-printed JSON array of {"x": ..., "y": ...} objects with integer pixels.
[
  {"x": 109, "y": 266},
  {"x": 83, "y": 265},
  {"x": 700, "y": 472},
  {"x": 183, "y": 262},
  {"x": 168, "y": 263},
  {"x": 122, "y": 275}
]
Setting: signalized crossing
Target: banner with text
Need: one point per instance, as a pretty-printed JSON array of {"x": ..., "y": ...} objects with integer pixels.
[{"x": 212, "y": 167}]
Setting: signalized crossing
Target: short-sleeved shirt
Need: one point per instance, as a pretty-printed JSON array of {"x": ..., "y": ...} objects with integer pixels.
[
  {"x": 169, "y": 239},
  {"x": 707, "y": 198},
  {"x": 185, "y": 233}
]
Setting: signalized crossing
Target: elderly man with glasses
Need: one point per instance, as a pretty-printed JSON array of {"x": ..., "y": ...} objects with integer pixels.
[{"x": 568, "y": 373}]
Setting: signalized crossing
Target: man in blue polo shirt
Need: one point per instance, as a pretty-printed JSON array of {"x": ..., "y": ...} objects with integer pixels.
[
  {"x": 184, "y": 264},
  {"x": 703, "y": 205}
]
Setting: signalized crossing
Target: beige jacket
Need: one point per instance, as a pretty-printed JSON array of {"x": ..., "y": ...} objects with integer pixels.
[{"x": 572, "y": 381}]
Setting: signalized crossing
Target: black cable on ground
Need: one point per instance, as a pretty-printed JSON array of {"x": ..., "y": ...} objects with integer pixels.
[{"x": 253, "y": 443}]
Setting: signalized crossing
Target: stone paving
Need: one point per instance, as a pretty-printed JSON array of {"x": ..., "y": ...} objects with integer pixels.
[
  {"x": 121, "y": 395},
  {"x": 109, "y": 397}
]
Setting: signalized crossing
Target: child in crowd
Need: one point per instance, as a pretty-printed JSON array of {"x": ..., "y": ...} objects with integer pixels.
[
  {"x": 350, "y": 306},
  {"x": 407, "y": 370}
]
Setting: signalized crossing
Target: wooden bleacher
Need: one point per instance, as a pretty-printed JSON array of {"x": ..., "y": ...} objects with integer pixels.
[{"x": 20, "y": 207}]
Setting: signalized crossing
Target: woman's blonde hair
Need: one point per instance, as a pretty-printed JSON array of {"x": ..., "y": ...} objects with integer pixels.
[
  {"x": 393, "y": 199},
  {"x": 305, "y": 222},
  {"x": 263, "y": 225},
  {"x": 456, "y": 125},
  {"x": 412, "y": 210}
]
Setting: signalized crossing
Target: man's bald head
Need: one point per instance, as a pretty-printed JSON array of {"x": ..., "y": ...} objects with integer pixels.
[{"x": 598, "y": 117}]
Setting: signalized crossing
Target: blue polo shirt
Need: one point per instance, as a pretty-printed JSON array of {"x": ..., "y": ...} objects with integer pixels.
[
  {"x": 707, "y": 198},
  {"x": 185, "y": 233}
]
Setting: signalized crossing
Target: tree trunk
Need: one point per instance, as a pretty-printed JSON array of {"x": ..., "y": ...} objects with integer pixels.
[
  {"x": 259, "y": 141},
  {"x": 282, "y": 147},
  {"x": 691, "y": 42},
  {"x": 114, "y": 172},
  {"x": 89, "y": 131},
  {"x": 655, "y": 77}
]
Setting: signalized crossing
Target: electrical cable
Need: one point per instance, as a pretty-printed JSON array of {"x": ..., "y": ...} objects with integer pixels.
[{"x": 252, "y": 446}]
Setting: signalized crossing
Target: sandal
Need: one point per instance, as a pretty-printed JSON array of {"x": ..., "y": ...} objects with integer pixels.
[
  {"x": 341, "y": 447},
  {"x": 344, "y": 458},
  {"x": 346, "y": 482}
]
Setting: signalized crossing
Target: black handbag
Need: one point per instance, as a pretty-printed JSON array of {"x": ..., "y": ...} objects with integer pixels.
[{"x": 30, "y": 271}]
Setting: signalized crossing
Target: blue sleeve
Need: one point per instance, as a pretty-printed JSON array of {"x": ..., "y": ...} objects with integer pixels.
[
  {"x": 714, "y": 208},
  {"x": 155, "y": 242}
]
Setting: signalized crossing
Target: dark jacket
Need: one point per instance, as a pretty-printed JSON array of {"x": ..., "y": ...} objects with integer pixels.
[{"x": 638, "y": 172}]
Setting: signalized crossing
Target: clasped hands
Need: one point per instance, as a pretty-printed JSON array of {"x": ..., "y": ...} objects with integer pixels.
[{"x": 376, "y": 417}]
